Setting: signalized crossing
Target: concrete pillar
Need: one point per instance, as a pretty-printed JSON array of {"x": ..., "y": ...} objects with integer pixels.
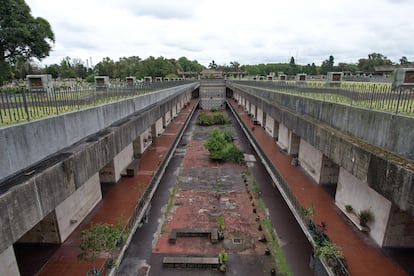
[
  {"x": 260, "y": 116},
  {"x": 157, "y": 128},
  {"x": 111, "y": 173},
  {"x": 142, "y": 143},
  {"x": 317, "y": 165},
  {"x": 352, "y": 191},
  {"x": 294, "y": 142},
  {"x": 73, "y": 210},
  {"x": 167, "y": 118},
  {"x": 253, "y": 110},
  {"x": 272, "y": 127},
  {"x": 247, "y": 106},
  {"x": 283, "y": 141},
  {"x": 174, "y": 111},
  {"x": 8, "y": 262}
]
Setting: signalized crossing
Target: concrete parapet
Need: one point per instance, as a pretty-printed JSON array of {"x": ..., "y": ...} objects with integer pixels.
[
  {"x": 346, "y": 135},
  {"x": 25, "y": 144}
]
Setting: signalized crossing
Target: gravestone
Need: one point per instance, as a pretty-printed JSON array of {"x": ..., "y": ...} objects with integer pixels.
[
  {"x": 101, "y": 82},
  {"x": 300, "y": 78},
  {"x": 40, "y": 83},
  {"x": 334, "y": 79},
  {"x": 131, "y": 81},
  {"x": 403, "y": 78},
  {"x": 282, "y": 77}
]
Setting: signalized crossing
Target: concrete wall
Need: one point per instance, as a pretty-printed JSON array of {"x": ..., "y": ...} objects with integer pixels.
[
  {"x": 157, "y": 129},
  {"x": 71, "y": 212},
  {"x": 352, "y": 191},
  {"x": 385, "y": 130},
  {"x": 122, "y": 160},
  {"x": 27, "y": 143},
  {"x": 58, "y": 177},
  {"x": 260, "y": 116},
  {"x": 400, "y": 231},
  {"x": 270, "y": 127},
  {"x": 283, "y": 135},
  {"x": 46, "y": 231},
  {"x": 8, "y": 262},
  {"x": 389, "y": 174},
  {"x": 310, "y": 160}
]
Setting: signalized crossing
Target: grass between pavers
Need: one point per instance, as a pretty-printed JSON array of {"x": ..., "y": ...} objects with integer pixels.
[
  {"x": 280, "y": 259},
  {"x": 170, "y": 205}
]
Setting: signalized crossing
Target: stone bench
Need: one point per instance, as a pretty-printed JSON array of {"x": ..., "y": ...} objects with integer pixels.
[
  {"x": 193, "y": 233},
  {"x": 190, "y": 262}
]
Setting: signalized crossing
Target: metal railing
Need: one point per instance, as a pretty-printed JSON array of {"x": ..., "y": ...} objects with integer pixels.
[
  {"x": 318, "y": 237},
  {"x": 20, "y": 105},
  {"x": 377, "y": 96}
]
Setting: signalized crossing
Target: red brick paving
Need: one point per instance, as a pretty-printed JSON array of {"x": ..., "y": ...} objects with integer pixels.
[
  {"x": 363, "y": 256},
  {"x": 118, "y": 203}
]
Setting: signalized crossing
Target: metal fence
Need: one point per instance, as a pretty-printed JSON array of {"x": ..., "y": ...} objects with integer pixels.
[
  {"x": 24, "y": 105},
  {"x": 378, "y": 96}
]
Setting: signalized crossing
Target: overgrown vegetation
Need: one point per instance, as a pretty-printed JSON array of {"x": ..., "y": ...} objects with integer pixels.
[
  {"x": 213, "y": 117},
  {"x": 100, "y": 237},
  {"x": 221, "y": 148},
  {"x": 330, "y": 252}
]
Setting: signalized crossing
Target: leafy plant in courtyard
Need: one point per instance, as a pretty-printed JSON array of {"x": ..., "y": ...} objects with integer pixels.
[
  {"x": 223, "y": 257},
  {"x": 221, "y": 147},
  {"x": 307, "y": 212},
  {"x": 330, "y": 252},
  {"x": 100, "y": 237},
  {"x": 365, "y": 216},
  {"x": 212, "y": 118}
]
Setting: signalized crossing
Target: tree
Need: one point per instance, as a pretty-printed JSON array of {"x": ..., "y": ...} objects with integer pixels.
[
  {"x": 374, "y": 59},
  {"x": 212, "y": 65},
  {"x": 22, "y": 35},
  {"x": 97, "y": 239},
  {"x": 404, "y": 60},
  {"x": 327, "y": 65}
]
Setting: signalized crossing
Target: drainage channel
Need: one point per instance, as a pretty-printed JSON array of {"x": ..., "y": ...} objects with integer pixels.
[{"x": 142, "y": 256}]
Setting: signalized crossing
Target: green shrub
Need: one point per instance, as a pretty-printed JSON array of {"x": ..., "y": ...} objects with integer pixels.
[
  {"x": 212, "y": 118},
  {"x": 221, "y": 148}
]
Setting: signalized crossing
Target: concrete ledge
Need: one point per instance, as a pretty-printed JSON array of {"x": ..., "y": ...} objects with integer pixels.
[
  {"x": 212, "y": 233},
  {"x": 190, "y": 262},
  {"x": 353, "y": 218}
]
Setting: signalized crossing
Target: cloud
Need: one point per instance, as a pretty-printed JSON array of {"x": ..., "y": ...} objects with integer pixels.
[{"x": 247, "y": 32}]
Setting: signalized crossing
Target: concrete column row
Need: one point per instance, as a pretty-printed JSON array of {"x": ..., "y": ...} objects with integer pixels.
[
  {"x": 62, "y": 221},
  {"x": 390, "y": 227}
]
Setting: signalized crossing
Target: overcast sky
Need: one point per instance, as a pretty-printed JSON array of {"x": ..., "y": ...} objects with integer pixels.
[{"x": 249, "y": 32}]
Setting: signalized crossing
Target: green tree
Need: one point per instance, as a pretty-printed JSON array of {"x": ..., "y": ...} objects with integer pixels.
[
  {"x": 374, "y": 59},
  {"x": 52, "y": 70},
  {"x": 404, "y": 60},
  {"x": 212, "y": 65},
  {"x": 327, "y": 65},
  {"x": 21, "y": 35},
  {"x": 293, "y": 68}
]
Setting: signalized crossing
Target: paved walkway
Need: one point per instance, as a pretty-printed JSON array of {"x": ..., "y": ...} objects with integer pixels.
[
  {"x": 118, "y": 202},
  {"x": 363, "y": 256}
]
